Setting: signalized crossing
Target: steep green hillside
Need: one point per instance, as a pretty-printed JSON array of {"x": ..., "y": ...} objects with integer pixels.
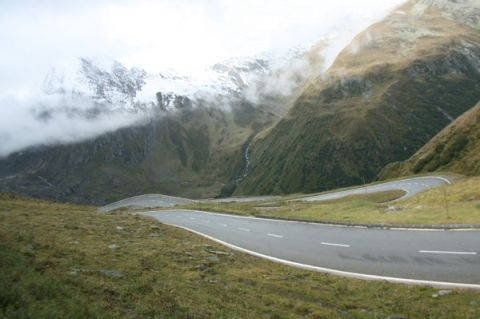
[
  {"x": 456, "y": 148},
  {"x": 194, "y": 152},
  {"x": 391, "y": 90}
]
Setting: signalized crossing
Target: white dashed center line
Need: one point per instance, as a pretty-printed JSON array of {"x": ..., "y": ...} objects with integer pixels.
[
  {"x": 224, "y": 225},
  {"x": 336, "y": 245},
  {"x": 447, "y": 252},
  {"x": 275, "y": 235},
  {"x": 192, "y": 218}
]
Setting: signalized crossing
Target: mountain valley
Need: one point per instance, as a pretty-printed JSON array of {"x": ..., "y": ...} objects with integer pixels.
[{"x": 251, "y": 127}]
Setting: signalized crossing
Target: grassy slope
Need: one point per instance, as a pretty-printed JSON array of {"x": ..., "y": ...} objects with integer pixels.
[
  {"x": 456, "y": 148},
  {"x": 385, "y": 96},
  {"x": 56, "y": 263},
  {"x": 454, "y": 204}
]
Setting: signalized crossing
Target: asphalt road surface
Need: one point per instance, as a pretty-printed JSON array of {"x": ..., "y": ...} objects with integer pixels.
[
  {"x": 146, "y": 201},
  {"x": 396, "y": 255},
  {"x": 411, "y": 186}
]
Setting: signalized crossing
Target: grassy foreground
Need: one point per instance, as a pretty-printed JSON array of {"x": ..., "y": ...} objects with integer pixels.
[
  {"x": 61, "y": 261},
  {"x": 453, "y": 204}
]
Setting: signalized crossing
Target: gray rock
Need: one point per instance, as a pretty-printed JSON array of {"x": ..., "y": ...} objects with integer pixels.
[
  {"x": 441, "y": 293},
  {"x": 111, "y": 273},
  {"x": 29, "y": 249},
  {"x": 213, "y": 259},
  {"x": 218, "y": 252},
  {"x": 76, "y": 271},
  {"x": 113, "y": 246},
  {"x": 392, "y": 209}
]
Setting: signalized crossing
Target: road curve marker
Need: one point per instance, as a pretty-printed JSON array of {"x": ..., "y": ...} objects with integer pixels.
[
  {"x": 447, "y": 252},
  {"x": 275, "y": 235},
  {"x": 336, "y": 245}
]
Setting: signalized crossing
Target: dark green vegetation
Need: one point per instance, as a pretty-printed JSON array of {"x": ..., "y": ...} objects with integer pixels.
[
  {"x": 390, "y": 91},
  {"x": 456, "y": 148},
  {"x": 192, "y": 153},
  {"x": 64, "y": 261}
]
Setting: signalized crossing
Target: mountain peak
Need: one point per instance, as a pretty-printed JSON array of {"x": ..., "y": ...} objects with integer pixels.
[
  {"x": 395, "y": 86},
  {"x": 416, "y": 29}
]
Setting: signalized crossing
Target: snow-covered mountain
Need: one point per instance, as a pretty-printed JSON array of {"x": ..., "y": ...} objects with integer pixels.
[
  {"x": 110, "y": 86},
  {"x": 229, "y": 77},
  {"x": 98, "y": 134}
]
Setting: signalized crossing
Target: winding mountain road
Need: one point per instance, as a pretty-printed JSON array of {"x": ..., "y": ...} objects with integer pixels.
[
  {"x": 411, "y": 187},
  {"x": 439, "y": 258},
  {"x": 146, "y": 201},
  {"x": 433, "y": 257}
]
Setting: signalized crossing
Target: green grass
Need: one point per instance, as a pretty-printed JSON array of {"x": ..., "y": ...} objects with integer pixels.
[
  {"x": 454, "y": 204},
  {"x": 57, "y": 261}
]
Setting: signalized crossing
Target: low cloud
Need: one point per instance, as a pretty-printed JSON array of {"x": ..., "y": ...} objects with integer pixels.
[
  {"x": 45, "y": 120},
  {"x": 157, "y": 36}
]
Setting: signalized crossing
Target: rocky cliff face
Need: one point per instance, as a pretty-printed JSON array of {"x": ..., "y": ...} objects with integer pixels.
[
  {"x": 455, "y": 149},
  {"x": 392, "y": 89}
]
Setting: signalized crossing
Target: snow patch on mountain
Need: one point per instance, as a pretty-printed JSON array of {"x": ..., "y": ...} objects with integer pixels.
[
  {"x": 112, "y": 87},
  {"x": 81, "y": 100}
]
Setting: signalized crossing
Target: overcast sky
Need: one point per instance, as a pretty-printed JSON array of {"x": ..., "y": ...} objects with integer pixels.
[
  {"x": 181, "y": 34},
  {"x": 186, "y": 35}
]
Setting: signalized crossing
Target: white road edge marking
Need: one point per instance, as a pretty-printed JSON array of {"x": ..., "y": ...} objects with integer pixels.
[
  {"x": 447, "y": 252},
  {"x": 421, "y": 229},
  {"x": 443, "y": 179},
  {"x": 336, "y": 245},
  {"x": 275, "y": 235},
  {"x": 440, "y": 284},
  {"x": 244, "y": 229},
  {"x": 301, "y": 222}
]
